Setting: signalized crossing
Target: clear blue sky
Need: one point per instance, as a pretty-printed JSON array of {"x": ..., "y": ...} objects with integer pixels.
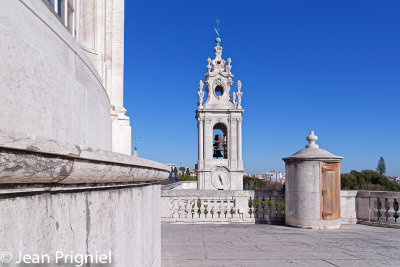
[{"x": 328, "y": 66}]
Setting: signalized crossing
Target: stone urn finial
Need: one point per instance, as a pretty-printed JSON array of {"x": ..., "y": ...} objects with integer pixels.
[{"x": 312, "y": 138}]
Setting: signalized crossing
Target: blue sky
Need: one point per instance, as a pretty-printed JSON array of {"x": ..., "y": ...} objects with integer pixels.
[{"x": 328, "y": 66}]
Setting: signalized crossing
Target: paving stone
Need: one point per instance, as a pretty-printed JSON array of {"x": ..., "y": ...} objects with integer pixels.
[
  {"x": 295, "y": 255},
  {"x": 366, "y": 255},
  {"x": 270, "y": 245},
  {"x": 246, "y": 263},
  {"x": 364, "y": 263},
  {"x": 186, "y": 255}
]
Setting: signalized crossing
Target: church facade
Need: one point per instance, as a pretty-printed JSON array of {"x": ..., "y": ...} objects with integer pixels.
[{"x": 219, "y": 122}]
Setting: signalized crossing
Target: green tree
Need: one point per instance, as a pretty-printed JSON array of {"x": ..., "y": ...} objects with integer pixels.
[
  {"x": 381, "y": 168},
  {"x": 349, "y": 181},
  {"x": 367, "y": 180},
  {"x": 252, "y": 183}
]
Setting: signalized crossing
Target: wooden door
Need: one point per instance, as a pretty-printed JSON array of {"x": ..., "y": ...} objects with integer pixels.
[{"x": 330, "y": 191}]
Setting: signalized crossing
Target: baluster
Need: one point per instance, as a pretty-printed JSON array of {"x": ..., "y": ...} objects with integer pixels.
[
  {"x": 270, "y": 207},
  {"x": 200, "y": 208},
  {"x": 179, "y": 207},
  {"x": 396, "y": 210},
  {"x": 212, "y": 204},
  {"x": 171, "y": 207},
  {"x": 259, "y": 208},
  {"x": 256, "y": 207},
  {"x": 273, "y": 208},
  {"x": 185, "y": 207},
  {"x": 231, "y": 209},
  {"x": 382, "y": 210},
  {"x": 174, "y": 208},
  {"x": 262, "y": 205},
  {"x": 250, "y": 210},
  {"x": 234, "y": 214},
  {"x": 206, "y": 207},
  {"x": 193, "y": 207},
  {"x": 219, "y": 207},
  {"x": 225, "y": 207},
  {"x": 188, "y": 208},
  {"x": 375, "y": 205},
  {"x": 216, "y": 208},
  {"x": 390, "y": 211},
  {"x": 279, "y": 208}
]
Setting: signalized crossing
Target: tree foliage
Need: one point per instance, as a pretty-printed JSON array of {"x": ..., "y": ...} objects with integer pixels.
[
  {"x": 367, "y": 180},
  {"x": 252, "y": 183},
  {"x": 381, "y": 168},
  {"x": 187, "y": 177}
]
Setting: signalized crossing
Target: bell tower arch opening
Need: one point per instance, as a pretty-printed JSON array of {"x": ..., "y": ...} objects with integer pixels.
[
  {"x": 220, "y": 142},
  {"x": 219, "y": 90}
]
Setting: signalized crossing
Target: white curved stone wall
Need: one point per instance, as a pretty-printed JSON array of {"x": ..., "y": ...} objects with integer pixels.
[
  {"x": 124, "y": 222},
  {"x": 48, "y": 86}
]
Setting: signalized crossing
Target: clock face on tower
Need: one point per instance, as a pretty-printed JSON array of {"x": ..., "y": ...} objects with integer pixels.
[{"x": 220, "y": 180}]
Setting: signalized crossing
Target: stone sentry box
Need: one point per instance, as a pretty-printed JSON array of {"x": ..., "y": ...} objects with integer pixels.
[{"x": 312, "y": 188}]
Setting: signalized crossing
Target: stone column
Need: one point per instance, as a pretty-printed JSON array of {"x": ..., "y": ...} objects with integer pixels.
[
  {"x": 239, "y": 148},
  {"x": 201, "y": 137},
  {"x": 208, "y": 140},
  {"x": 121, "y": 129}
]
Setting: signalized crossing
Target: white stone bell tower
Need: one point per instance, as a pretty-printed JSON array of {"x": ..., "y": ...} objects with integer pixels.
[{"x": 219, "y": 122}]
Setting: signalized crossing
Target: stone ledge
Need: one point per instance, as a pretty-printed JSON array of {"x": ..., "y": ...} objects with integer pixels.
[
  {"x": 17, "y": 190},
  {"x": 27, "y": 160},
  {"x": 219, "y": 193},
  {"x": 377, "y": 194},
  {"x": 348, "y": 193}
]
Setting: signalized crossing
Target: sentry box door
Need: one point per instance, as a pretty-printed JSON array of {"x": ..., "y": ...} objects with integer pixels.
[{"x": 330, "y": 191}]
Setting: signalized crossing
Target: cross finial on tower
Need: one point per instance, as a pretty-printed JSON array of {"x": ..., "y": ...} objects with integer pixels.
[{"x": 218, "y": 39}]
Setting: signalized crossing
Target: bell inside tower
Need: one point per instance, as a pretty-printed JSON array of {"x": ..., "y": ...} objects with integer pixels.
[{"x": 220, "y": 143}]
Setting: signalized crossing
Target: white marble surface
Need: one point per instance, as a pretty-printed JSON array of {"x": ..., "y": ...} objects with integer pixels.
[
  {"x": 49, "y": 88},
  {"x": 348, "y": 206},
  {"x": 125, "y": 222}
]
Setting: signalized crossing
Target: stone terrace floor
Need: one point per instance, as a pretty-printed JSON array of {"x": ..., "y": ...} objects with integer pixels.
[{"x": 271, "y": 245}]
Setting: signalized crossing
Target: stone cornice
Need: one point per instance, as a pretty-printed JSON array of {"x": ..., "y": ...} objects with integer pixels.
[{"x": 27, "y": 160}]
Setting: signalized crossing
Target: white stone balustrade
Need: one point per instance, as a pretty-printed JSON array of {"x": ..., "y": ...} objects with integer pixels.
[
  {"x": 233, "y": 206},
  {"x": 378, "y": 208}
]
